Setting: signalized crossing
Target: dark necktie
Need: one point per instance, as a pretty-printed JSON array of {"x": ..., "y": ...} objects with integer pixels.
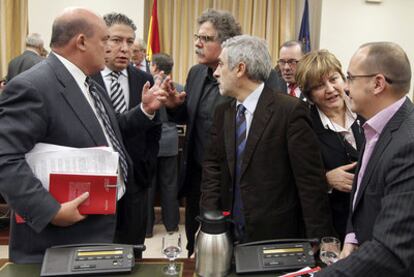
[
  {"x": 292, "y": 88},
  {"x": 238, "y": 215},
  {"x": 117, "y": 94},
  {"x": 100, "y": 110}
]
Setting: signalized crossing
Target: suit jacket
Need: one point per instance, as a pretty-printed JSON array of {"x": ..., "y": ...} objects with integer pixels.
[
  {"x": 337, "y": 152},
  {"x": 45, "y": 104},
  {"x": 186, "y": 114},
  {"x": 22, "y": 63},
  {"x": 276, "y": 82},
  {"x": 282, "y": 181},
  {"x": 383, "y": 215},
  {"x": 141, "y": 146}
]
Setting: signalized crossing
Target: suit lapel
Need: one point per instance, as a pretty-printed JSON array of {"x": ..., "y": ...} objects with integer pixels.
[
  {"x": 195, "y": 94},
  {"x": 327, "y": 136},
  {"x": 260, "y": 120},
  {"x": 383, "y": 141},
  {"x": 230, "y": 137},
  {"x": 76, "y": 100},
  {"x": 135, "y": 86}
]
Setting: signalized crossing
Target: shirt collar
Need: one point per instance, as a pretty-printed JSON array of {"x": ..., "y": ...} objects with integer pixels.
[
  {"x": 106, "y": 72},
  {"x": 350, "y": 118},
  {"x": 378, "y": 121},
  {"x": 75, "y": 71},
  {"x": 251, "y": 101}
]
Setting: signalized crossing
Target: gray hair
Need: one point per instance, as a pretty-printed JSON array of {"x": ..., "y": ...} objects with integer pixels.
[
  {"x": 291, "y": 43},
  {"x": 223, "y": 21},
  {"x": 389, "y": 59},
  {"x": 252, "y": 51},
  {"x": 119, "y": 18},
  {"x": 34, "y": 40},
  {"x": 163, "y": 62},
  {"x": 141, "y": 43}
]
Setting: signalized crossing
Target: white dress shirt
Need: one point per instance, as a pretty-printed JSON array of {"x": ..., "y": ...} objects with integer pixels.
[
  {"x": 80, "y": 79},
  {"x": 250, "y": 104}
]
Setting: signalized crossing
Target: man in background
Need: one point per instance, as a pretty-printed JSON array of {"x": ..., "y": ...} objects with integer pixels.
[
  {"x": 165, "y": 177},
  {"x": 30, "y": 57},
  {"x": 263, "y": 163},
  {"x": 290, "y": 54},
  {"x": 123, "y": 84},
  {"x": 380, "y": 228},
  {"x": 197, "y": 111},
  {"x": 139, "y": 52}
]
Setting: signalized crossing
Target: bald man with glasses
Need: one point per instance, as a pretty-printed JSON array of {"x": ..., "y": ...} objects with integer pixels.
[{"x": 380, "y": 231}]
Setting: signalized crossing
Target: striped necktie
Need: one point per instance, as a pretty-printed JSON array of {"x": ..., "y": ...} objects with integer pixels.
[
  {"x": 100, "y": 110},
  {"x": 117, "y": 94},
  {"x": 238, "y": 215}
]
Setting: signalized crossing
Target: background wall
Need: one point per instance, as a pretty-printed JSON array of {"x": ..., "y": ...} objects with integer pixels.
[
  {"x": 43, "y": 12},
  {"x": 345, "y": 25}
]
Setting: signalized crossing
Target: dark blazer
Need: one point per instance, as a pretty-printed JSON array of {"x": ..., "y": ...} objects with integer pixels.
[
  {"x": 382, "y": 218},
  {"x": 22, "y": 63},
  {"x": 142, "y": 147},
  {"x": 45, "y": 104},
  {"x": 337, "y": 152},
  {"x": 282, "y": 179},
  {"x": 186, "y": 114}
]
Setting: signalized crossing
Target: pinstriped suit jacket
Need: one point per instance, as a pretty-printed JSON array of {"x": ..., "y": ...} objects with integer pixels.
[{"x": 383, "y": 217}]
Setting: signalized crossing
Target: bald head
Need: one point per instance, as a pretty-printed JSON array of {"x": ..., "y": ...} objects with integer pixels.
[
  {"x": 71, "y": 22},
  {"x": 389, "y": 59},
  {"x": 80, "y": 36}
]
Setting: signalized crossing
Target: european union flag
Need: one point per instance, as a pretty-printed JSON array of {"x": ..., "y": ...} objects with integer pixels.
[{"x": 304, "y": 34}]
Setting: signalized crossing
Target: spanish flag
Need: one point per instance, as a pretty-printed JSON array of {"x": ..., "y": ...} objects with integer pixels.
[{"x": 153, "y": 34}]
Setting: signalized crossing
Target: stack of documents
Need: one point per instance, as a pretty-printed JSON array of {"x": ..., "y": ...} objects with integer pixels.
[{"x": 68, "y": 172}]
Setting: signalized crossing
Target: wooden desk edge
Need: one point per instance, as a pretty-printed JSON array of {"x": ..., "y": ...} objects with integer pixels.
[{"x": 188, "y": 271}]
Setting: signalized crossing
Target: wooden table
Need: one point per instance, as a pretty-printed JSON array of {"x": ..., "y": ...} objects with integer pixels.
[{"x": 188, "y": 270}]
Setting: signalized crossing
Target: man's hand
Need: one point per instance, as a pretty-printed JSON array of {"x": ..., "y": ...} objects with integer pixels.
[
  {"x": 340, "y": 179},
  {"x": 68, "y": 213},
  {"x": 174, "y": 99},
  {"x": 154, "y": 98},
  {"x": 347, "y": 250}
]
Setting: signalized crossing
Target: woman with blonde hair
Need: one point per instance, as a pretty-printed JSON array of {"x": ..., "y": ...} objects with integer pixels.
[{"x": 319, "y": 76}]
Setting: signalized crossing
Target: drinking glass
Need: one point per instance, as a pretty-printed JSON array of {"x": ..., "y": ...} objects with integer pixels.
[
  {"x": 329, "y": 250},
  {"x": 171, "y": 248}
]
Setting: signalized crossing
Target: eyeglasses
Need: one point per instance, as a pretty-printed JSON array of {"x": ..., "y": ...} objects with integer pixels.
[
  {"x": 291, "y": 62},
  {"x": 350, "y": 77},
  {"x": 204, "y": 38}
]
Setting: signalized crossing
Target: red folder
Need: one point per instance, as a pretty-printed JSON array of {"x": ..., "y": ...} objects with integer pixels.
[{"x": 101, "y": 188}]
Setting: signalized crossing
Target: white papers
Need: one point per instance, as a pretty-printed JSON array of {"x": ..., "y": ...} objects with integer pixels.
[
  {"x": 49, "y": 158},
  {"x": 306, "y": 271}
]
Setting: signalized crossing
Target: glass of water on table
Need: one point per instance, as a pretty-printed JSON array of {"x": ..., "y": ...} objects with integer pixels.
[
  {"x": 330, "y": 249},
  {"x": 171, "y": 248}
]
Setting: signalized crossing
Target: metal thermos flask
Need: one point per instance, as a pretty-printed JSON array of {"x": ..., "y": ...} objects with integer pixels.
[{"x": 213, "y": 248}]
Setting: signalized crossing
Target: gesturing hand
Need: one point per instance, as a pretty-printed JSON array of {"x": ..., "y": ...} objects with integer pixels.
[
  {"x": 68, "y": 213},
  {"x": 340, "y": 179}
]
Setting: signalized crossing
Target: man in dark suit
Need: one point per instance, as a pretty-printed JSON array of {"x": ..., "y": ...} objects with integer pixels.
[
  {"x": 138, "y": 58},
  {"x": 197, "y": 111},
  {"x": 123, "y": 85},
  {"x": 263, "y": 163},
  {"x": 30, "y": 57},
  {"x": 165, "y": 176},
  {"x": 380, "y": 235},
  {"x": 290, "y": 54},
  {"x": 56, "y": 102}
]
